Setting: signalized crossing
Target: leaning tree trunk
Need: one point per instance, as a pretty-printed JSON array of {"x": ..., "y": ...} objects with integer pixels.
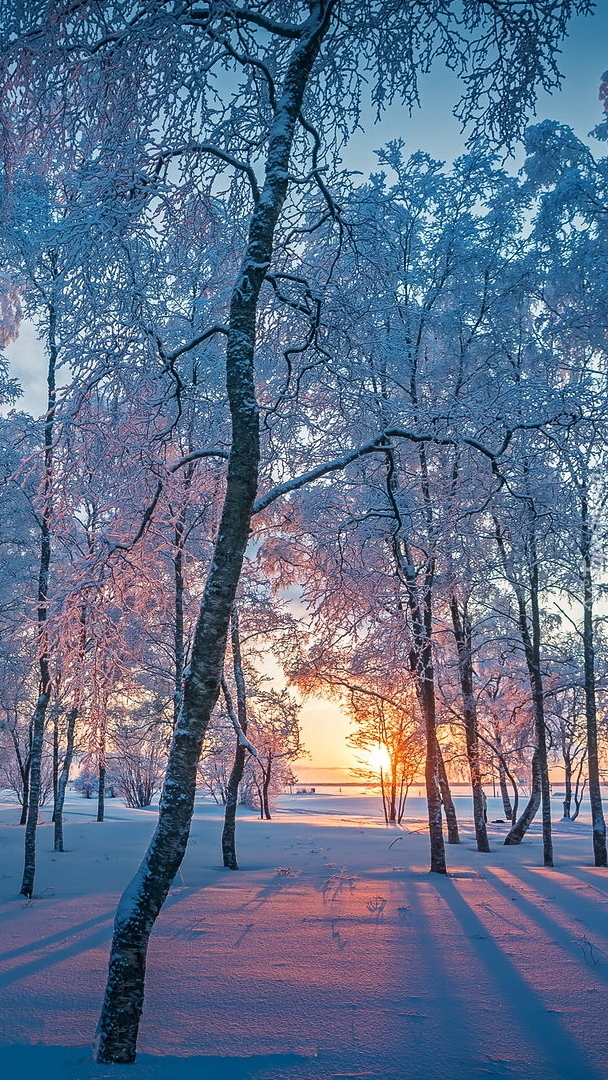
[
  {"x": 178, "y": 630},
  {"x": 144, "y": 897},
  {"x": 595, "y": 791},
  {"x": 463, "y": 636},
  {"x": 504, "y": 774},
  {"x": 519, "y": 829},
  {"x": 447, "y": 801},
  {"x": 44, "y": 695},
  {"x": 238, "y": 765},
  {"x": 504, "y": 791}
]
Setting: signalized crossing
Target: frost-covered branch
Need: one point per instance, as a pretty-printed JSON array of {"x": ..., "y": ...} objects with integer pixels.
[
  {"x": 380, "y": 445},
  {"x": 258, "y": 19},
  {"x": 169, "y": 358},
  {"x": 242, "y": 738},
  {"x": 214, "y": 151},
  {"x": 196, "y": 455}
]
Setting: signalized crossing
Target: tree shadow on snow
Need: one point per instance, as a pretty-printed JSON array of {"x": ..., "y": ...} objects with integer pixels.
[
  {"x": 566, "y": 1054},
  {"x": 76, "y": 1063}
]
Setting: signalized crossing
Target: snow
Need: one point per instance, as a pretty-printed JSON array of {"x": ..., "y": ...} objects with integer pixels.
[{"x": 332, "y": 954}]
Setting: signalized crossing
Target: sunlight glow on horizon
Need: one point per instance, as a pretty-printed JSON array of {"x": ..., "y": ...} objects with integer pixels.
[{"x": 377, "y": 759}]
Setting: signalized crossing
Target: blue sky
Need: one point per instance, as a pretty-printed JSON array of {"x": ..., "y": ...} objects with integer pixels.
[{"x": 431, "y": 128}]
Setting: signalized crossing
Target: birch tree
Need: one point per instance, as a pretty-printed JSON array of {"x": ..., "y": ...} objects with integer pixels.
[
  {"x": 292, "y": 97},
  {"x": 570, "y": 237}
]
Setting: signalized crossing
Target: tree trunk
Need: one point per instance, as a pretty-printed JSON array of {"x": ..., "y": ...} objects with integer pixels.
[
  {"x": 578, "y": 798},
  {"x": 179, "y": 641},
  {"x": 518, "y": 831},
  {"x": 515, "y": 801},
  {"x": 421, "y": 664},
  {"x": 178, "y": 632},
  {"x": 567, "y": 803},
  {"x": 595, "y": 791},
  {"x": 504, "y": 774},
  {"x": 101, "y": 763},
  {"x": 463, "y": 636},
  {"x": 25, "y": 775},
  {"x": 63, "y": 778},
  {"x": 55, "y": 762},
  {"x": 539, "y": 718},
  {"x": 392, "y": 817},
  {"x": 68, "y": 757},
  {"x": 420, "y": 604},
  {"x": 265, "y": 789},
  {"x": 144, "y": 897},
  {"x": 403, "y": 794},
  {"x": 388, "y": 788},
  {"x": 431, "y": 775},
  {"x": 29, "y": 869},
  {"x": 101, "y": 790},
  {"x": 238, "y": 765},
  {"x": 531, "y": 638},
  {"x": 232, "y": 797},
  {"x": 383, "y": 792},
  {"x": 447, "y": 801},
  {"x": 504, "y": 791}
]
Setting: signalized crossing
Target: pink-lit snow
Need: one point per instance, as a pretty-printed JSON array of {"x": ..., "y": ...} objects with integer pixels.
[{"x": 333, "y": 953}]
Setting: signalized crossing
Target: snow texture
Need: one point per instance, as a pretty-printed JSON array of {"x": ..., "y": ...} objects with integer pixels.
[{"x": 332, "y": 954}]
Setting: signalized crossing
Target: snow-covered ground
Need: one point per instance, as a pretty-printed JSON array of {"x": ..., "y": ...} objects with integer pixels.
[{"x": 333, "y": 954}]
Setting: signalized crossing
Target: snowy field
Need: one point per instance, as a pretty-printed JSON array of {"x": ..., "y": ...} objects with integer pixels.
[{"x": 332, "y": 954}]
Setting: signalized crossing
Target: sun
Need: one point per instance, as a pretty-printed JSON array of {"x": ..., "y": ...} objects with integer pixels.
[{"x": 378, "y": 758}]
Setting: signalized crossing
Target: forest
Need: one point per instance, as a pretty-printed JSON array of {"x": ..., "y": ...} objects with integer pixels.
[{"x": 349, "y": 427}]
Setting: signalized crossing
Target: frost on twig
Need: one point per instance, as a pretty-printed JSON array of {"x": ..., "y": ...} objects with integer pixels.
[{"x": 242, "y": 738}]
